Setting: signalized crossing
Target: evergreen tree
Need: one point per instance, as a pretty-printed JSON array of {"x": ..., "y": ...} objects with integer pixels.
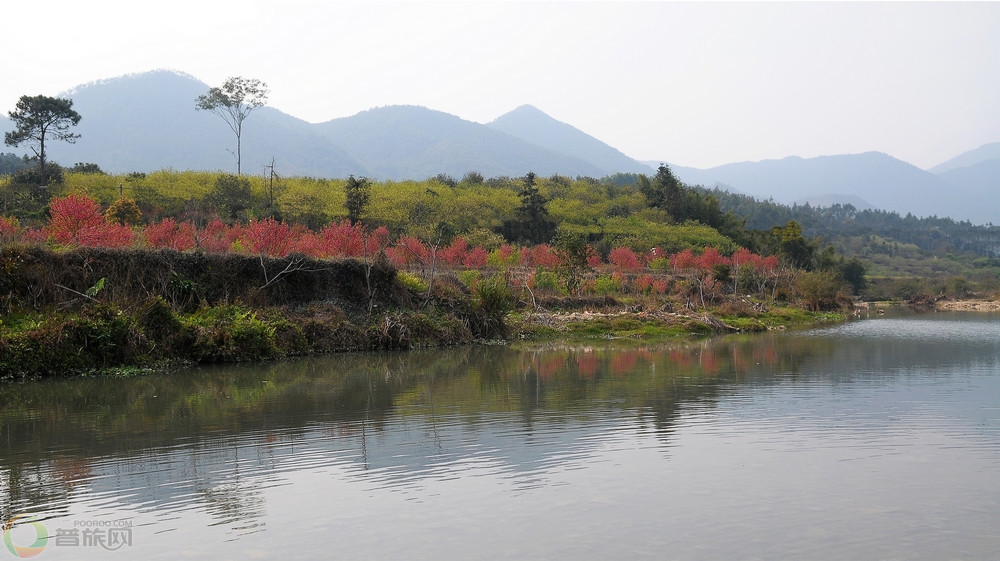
[
  {"x": 664, "y": 192},
  {"x": 531, "y": 223},
  {"x": 358, "y": 195},
  {"x": 38, "y": 118}
]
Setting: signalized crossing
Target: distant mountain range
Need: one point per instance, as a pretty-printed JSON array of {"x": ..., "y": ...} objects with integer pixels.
[
  {"x": 964, "y": 188},
  {"x": 147, "y": 122}
]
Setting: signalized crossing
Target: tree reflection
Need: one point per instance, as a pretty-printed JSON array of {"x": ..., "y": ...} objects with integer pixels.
[{"x": 223, "y": 429}]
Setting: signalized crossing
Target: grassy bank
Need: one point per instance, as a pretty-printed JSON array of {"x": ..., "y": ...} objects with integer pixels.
[
  {"x": 653, "y": 320},
  {"x": 96, "y": 309},
  {"x": 126, "y": 310}
]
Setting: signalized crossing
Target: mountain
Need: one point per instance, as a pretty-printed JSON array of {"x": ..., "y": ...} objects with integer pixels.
[
  {"x": 977, "y": 174},
  {"x": 875, "y": 178},
  {"x": 970, "y": 158},
  {"x": 532, "y": 125},
  {"x": 409, "y": 142},
  {"x": 981, "y": 182},
  {"x": 148, "y": 121}
]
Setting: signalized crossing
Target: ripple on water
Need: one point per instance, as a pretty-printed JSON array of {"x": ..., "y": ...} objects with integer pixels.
[{"x": 937, "y": 327}]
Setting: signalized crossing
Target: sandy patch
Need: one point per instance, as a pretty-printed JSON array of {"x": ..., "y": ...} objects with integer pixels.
[{"x": 969, "y": 305}]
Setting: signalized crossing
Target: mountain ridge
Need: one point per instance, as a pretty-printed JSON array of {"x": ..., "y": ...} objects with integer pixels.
[
  {"x": 424, "y": 142},
  {"x": 876, "y": 178},
  {"x": 533, "y": 125},
  {"x": 972, "y": 157},
  {"x": 147, "y": 121}
]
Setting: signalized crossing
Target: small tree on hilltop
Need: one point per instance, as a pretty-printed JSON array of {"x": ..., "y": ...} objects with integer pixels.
[
  {"x": 234, "y": 101},
  {"x": 663, "y": 192}
]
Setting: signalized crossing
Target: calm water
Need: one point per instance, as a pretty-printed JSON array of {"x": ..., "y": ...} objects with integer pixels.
[{"x": 875, "y": 439}]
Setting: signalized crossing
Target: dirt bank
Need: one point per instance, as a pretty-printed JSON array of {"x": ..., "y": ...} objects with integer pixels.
[{"x": 968, "y": 305}]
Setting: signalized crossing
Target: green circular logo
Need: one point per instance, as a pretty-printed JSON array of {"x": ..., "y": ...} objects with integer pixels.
[{"x": 26, "y": 551}]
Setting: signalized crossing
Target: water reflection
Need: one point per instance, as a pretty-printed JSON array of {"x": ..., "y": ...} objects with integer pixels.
[{"x": 215, "y": 442}]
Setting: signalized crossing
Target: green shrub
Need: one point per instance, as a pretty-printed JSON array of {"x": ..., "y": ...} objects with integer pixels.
[
  {"x": 494, "y": 300},
  {"x": 547, "y": 281},
  {"x": 412, "y": 282},
  {"x": 470, "y": 277}
]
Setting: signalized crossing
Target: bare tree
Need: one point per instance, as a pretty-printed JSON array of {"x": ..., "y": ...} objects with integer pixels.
[{"x": 234, "y": 101}]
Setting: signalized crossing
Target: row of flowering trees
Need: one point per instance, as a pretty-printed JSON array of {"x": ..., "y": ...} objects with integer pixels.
[{"x": 77, "y": 220}]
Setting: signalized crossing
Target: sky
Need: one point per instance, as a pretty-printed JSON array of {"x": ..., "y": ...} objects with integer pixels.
[{"x": 694, "y": 84}]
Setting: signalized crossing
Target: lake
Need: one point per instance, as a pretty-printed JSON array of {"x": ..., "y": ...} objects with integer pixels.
[{"x": 871, "y": 439}]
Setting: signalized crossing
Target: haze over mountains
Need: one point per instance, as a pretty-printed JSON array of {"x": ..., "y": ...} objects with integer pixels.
[{"x": 148, "y": 122}]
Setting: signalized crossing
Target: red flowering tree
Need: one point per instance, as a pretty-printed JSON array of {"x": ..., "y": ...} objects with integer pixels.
[
  {"x": 683, "y": 260},
  {"x": 267, "y": 237},
  {"x": 10, "y": 229},
  {"x": 711, "y": 258},
  {"x": 77, "y": 220},
  {"x": 408, "y": 251},
  {"x": 217, "y": 237},
  {"x": 454, "y": 255},
  {"x": 593, "y": 258},
  {"x": 624, "y": 259},
  {"x": 168, "y": 233},
  {"x": 343, "y": 239},
  {"x": 752, "y": 271},
  {"x": 70, "y": 215},
  {"x": 476, "y": 258},
  {"x": 543, "y": 256}
]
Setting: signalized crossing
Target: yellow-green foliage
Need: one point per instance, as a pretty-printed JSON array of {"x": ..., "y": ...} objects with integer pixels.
[
  {"x": 166, "y": 191},
  {"x": 421, "y": 205},
  {"x": 616, "y": 214},
  {"x": 307, "y": 200},
  {"x": 411, "y": 281},
  {"x": 123, "y": 211}
]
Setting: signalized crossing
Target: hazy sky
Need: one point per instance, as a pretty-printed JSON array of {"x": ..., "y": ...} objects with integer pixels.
[{"x": 694, "y": 84}]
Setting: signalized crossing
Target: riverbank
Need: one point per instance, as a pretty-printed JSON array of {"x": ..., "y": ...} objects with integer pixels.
[
  {"x": 984, "y": 304},
  {"x": 128, "y": 311},
  {"x": 662, "y": 321},
  {"x": 99, "y": 310},
  {"x": 968, "y": 305}
]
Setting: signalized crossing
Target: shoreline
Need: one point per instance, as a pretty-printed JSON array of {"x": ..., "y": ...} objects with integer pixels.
[{"x": 968, "y": 305}]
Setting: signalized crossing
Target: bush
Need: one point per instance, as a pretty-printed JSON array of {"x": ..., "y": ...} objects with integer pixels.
[
  {"x": 123, "y": 211},
  {"x": 494, "y": 300},
  {"x": 412, "y": 282},
  {"x": 547, "y": 281},
  {"x": 230, "y": 196}
]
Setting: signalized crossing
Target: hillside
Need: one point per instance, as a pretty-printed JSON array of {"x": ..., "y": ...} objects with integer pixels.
[
  {"x": 409, "y": 142},
  {"x": 147, "y": 122},
  {"x": 870, "y": 179},
  {"x": 532, "y": 125},
  {"x": 970, "y": 158},
  {"x": 982, "y": 182}
]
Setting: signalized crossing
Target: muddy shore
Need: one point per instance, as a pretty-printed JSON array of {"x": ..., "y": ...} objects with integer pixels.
[{"x": 968, "y": 305}]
